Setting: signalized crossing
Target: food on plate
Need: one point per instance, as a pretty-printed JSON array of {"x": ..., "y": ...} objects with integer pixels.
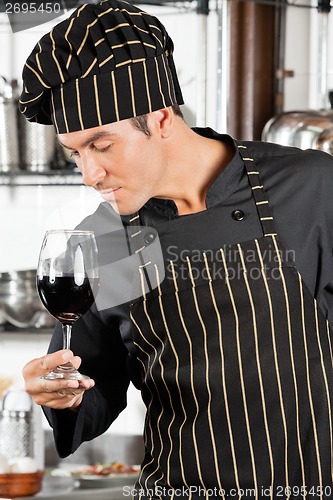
[{"x": 112, "y": 469}]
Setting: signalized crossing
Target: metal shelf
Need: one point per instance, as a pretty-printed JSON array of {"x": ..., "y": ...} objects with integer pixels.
[
  {"x": 72, "y": 4},
  {"x": 61, "y": 177}
]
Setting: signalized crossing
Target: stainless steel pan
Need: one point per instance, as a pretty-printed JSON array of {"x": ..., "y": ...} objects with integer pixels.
[
  {"x": 302, "y": 129},
  {"x": 19, "y": 301}
]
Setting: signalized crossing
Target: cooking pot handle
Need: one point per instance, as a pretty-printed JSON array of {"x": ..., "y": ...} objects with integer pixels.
[
  {"x": 4, "y": 84},
  {"x": 7, "y": 89}
]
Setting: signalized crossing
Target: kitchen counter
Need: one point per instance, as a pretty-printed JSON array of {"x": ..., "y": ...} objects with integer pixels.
[
  {"x": 69, "y": 488},
  {"x": 60, "y": 484},
  {"x": 95, "y": 493}
]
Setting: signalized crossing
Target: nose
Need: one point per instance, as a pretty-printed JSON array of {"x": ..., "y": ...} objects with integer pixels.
[{"x": 92, "y": 173}]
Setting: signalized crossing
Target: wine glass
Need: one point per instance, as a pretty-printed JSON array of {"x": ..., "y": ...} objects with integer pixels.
[{"x": 67, "y": 282}]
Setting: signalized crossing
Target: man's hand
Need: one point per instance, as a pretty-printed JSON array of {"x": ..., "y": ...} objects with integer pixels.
[{"x": 60, "y": 393}]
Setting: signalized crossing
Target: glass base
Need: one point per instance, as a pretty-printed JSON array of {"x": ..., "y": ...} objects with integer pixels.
[{"x": 67, "y": 372}]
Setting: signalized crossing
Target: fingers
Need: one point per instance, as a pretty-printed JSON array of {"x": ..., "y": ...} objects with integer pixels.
[
  {"x": 43, "y": 365},
  {"x": 59, "y": 393},
  {"x": 61, "y": 387}
]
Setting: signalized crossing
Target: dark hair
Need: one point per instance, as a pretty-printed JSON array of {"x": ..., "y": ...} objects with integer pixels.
[{"x": 140, "y": 122}]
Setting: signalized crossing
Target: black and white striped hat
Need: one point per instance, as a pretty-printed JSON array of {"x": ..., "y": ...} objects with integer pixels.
[{"x": 107, "y": 62}]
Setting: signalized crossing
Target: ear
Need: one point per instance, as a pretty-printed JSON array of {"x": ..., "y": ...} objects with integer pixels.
[{"x": 163, "y": 121}]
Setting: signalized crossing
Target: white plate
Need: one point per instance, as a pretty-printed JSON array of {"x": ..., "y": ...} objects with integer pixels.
[
  {"x": 52, "y": 485},
  {"x": 87, "y": 481}
]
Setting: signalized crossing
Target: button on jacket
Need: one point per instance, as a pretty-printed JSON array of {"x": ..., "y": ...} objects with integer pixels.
[{"x": 279, "y": 211}]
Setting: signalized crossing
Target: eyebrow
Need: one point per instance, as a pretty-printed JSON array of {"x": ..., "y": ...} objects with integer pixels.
[{"x": 90, "y": 139}]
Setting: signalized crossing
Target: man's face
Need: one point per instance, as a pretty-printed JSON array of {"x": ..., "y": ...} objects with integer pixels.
[{"x": 119, "y": 161}]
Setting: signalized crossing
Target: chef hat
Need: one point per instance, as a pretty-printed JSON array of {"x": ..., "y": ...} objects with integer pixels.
[{"x": 107, "y": 62}]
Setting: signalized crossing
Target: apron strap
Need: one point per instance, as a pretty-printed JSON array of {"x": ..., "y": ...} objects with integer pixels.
[
  {"x": 137, "y": 245},
  {"x": 263, "y": 207}
]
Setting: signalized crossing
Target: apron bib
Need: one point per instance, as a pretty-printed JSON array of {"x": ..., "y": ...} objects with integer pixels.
[{"x": 237, "y": 374}]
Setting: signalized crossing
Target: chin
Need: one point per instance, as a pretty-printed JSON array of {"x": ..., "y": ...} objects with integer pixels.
[{"x": 121, "y": 209}]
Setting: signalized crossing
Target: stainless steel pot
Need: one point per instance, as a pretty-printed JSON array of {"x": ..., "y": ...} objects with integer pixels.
[
  {"x": 38, "y": 145},
  {"x": 19, "y": 301},
  {"x": 314, "y": 128},
  {"x": 302, "y": 129},
  {"x": 9, "y": 144}
]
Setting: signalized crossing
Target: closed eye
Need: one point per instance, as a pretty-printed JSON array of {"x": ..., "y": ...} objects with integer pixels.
[{"x": 102, "y": 150}]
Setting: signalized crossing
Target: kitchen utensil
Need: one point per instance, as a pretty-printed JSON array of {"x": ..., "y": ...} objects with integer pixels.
[
  {"x": 9, "y": 133},
  {"x": 16, "y": 426},
  {"x": 302, "y": 129},
  {"x": 38, "y": 145},
  {"x": 19, "y": 302}
]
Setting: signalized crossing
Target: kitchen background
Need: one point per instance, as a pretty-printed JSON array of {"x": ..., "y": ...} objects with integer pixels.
[{"x": 31, "y": 204}]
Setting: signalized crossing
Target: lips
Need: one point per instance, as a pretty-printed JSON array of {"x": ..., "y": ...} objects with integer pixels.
[{"x": 109, "y": 194}]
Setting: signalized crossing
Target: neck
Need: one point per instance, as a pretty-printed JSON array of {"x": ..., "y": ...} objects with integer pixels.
[{"x": 194, "y": 162}]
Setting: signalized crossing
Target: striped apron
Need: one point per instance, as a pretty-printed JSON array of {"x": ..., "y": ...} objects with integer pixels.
[{"x": 237, "y": 375}]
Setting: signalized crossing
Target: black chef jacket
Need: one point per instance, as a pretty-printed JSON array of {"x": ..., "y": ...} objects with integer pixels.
[{"x": 299, "y": 186}]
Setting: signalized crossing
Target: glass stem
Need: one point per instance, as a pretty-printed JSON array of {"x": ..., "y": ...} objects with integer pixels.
[{"x": 67, "y": 333}]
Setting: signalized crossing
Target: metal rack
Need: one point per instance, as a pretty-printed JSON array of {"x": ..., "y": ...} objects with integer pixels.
[
  {"x": 61, "y": 177},
  {"x": 71, "y": 4}
]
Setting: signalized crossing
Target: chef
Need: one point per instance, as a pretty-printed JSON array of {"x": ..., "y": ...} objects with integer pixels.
[{"x": 232, "y": 349}]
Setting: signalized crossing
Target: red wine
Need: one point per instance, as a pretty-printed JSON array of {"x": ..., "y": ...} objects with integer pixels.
[{"x": 64, "y": 299}]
